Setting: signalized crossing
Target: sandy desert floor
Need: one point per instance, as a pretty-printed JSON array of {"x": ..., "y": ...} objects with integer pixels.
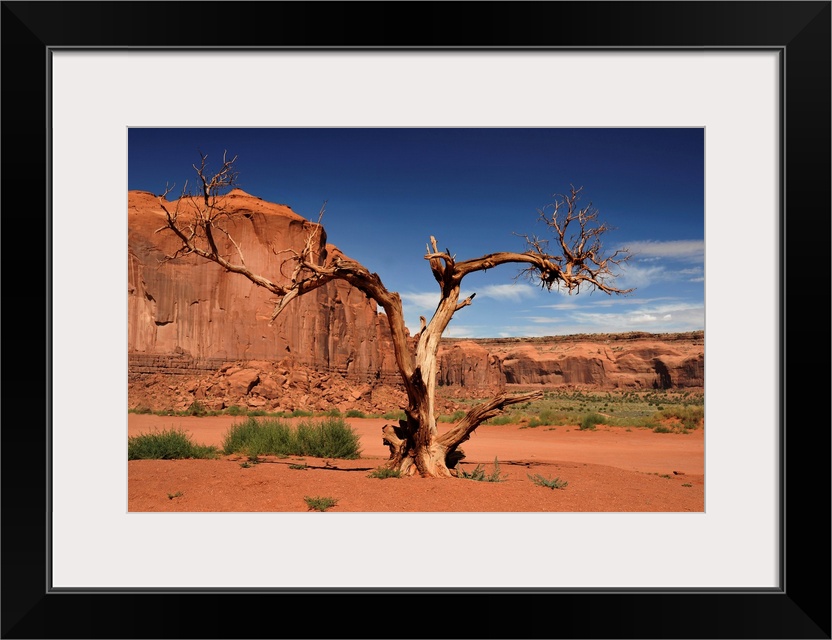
[{"x": 609, "y": 469}]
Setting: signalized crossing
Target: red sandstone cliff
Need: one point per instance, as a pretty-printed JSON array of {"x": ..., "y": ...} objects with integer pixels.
[
  {"x": 607, "y": 361},
  {"x": 190, "y": 311}
]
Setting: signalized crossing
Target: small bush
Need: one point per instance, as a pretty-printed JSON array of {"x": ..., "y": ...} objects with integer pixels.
[
  {"x": 140, "y": 410},
  {"x": 253, "y": 437},
  {"x": 328, "y": 438},
  {"x": 299, "y": 467},
  {"x": 196, "y": 409},
  {"x": 235, "y": 410},
  {"x": 660, "y": 428},
  {"x": 394, "y": 415},
  {"x": 169, "y": 444},
  {"x": 690, "y": 416},
  {"x": 456, "y": 416},
  {"x": 300, "y": 413},
  {"x": 503, "y": 419},
  {"x": 319, "y": 503},
  {"x": 549, "y": 417},
  {"x": 590, "y": 420},
  {"x": 479, "y": 475},
  {"x": 553, "y": 483},
  {"x": 384, "y": 472},
  {"x": 355, "y": 413}
]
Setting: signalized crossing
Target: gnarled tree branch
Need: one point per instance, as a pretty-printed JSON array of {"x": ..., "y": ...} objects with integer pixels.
[{"x": 479, "y": 414}]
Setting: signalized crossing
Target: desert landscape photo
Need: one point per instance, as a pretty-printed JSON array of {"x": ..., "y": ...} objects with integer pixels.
[{"x": 416, "y": 320}]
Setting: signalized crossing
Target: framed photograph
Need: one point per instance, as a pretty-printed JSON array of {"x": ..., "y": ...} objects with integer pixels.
[{"x": 753, "y": 77}]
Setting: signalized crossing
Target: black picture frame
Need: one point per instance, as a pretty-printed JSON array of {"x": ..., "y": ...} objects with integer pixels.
[{"x": 799, "y": 31}]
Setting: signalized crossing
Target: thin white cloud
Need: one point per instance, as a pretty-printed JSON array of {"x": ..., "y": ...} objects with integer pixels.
[
  {"x": 513, "y": 292},
  {"x": 697, "y": 274},
  {"x": 423, "y": 301},
  {"x": 542, "y": 319},
  {"x": 677, "y": 249},
  {"x": 638, "y": 276},
  {"x": 664, "y": 318},
  {"x": 560, "y": 306},
  {"x": 464, "y": 331},
  {"x": 645, "y": 317},
  {"x": 581, "y": 302},
  {"x": 633, "y": 276},
  {"x": 672, "y": 308},
  {"x": 619, "y": 301}
]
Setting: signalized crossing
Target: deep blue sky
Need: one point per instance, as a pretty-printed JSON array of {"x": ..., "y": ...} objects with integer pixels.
[{"x": 389, "y": 190}]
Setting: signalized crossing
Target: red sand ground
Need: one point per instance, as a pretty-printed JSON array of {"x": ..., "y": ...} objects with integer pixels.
[{"x": 609, "y": 469}]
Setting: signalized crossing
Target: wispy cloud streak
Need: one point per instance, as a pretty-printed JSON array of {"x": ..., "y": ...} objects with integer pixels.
[
  {"x": 513, "y": 292},
  {"x": 676, "y": 249}
]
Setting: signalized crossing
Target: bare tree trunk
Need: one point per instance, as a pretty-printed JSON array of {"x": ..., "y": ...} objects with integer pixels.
[{"x": 416, "y": 446}]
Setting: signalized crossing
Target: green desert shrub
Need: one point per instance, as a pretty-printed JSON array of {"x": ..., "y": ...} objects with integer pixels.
[
  {"x": 385, "y": 472},
  {"x": 355, "y": 413},
  {"x": 196, "y": 408},
  {"x": 549, "y": 417},
  {"x": 258, "y": 437},
  {"x": 479, "y": 474},
  {"x": 456, "y": 416},
  {"x": 327, "y": 438},
  {"x": 689, "y": 415},
  {"x": 168, "y": 444},
  {"x": 590, "y": 420},
  {"x": 142, "y": 410},
  {"x": 551, "y": 483},
  {"x": 319, "y": 503}
]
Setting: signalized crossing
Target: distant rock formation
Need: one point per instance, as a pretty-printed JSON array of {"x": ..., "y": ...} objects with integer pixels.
[{"x": 606, "y": 361}]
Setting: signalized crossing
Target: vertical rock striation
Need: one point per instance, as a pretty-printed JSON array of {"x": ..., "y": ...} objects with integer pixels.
[{"x": 191, "y": 308}]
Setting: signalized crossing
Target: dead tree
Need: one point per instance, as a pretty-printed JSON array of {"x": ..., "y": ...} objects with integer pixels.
[{"x": 577, "y": 261}]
